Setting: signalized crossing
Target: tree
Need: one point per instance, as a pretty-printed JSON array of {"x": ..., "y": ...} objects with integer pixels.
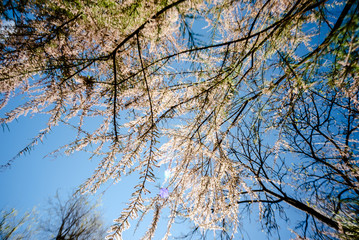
[
  {"x": 309, "y": 169},
  {"x": 259, "y": 108},
  {"x": 11, "y": 228},
  {"x": 73, "y": 219}
]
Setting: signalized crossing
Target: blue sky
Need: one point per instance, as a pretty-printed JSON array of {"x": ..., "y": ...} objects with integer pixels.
[{"x": 32, "y": 179}]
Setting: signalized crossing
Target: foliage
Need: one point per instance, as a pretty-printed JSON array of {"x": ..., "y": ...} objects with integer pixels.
[{"x": 248, "y": 103}]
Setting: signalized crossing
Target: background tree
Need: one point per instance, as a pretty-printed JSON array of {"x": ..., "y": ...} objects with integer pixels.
[
  {"x": 14, "y": 228},
  {"x": 266, "y": 94},
  {"x": 75, "y": 218}
]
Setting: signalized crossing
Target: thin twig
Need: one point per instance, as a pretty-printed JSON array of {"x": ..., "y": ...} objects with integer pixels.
[
  {"x": 115, "y": 96},
  {"x": 145, "y": 79}
]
